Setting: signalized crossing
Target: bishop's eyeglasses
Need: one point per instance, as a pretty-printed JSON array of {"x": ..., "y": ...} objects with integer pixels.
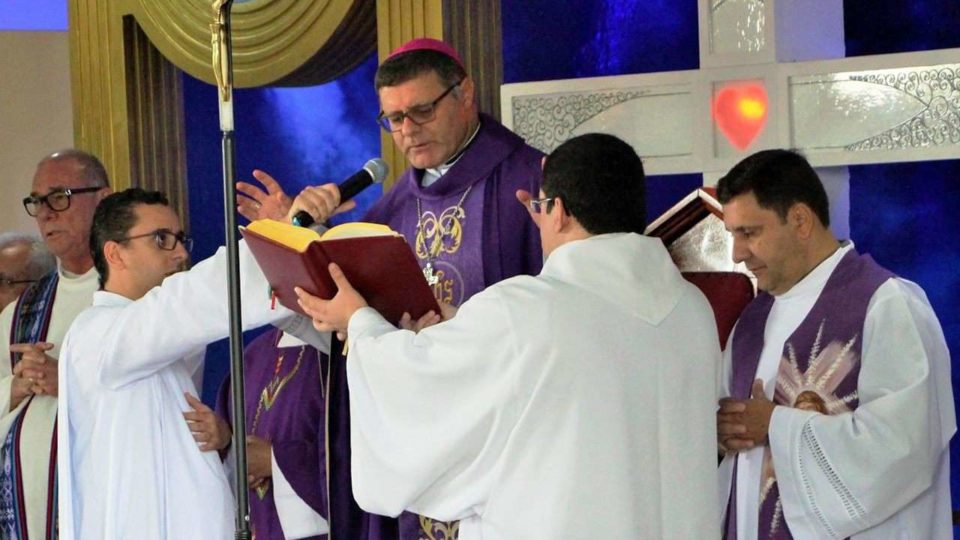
[
  {"x": 165, "y": 238},
  {"x": 57, "y": 200},
  {"x": 418, "y": 114}
]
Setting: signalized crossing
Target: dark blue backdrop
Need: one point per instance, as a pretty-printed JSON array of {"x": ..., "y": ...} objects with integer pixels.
[{"x": 903, "y": 214}]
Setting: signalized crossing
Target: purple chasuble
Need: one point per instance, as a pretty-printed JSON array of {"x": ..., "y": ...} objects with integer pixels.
[
  {"x": 819, "y": 366},
  {"x": 492, "y": 239},
  {"x": 285, "y": 405}
]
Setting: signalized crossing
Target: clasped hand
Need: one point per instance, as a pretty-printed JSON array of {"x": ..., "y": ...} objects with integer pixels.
[
  {"x": 744, "y": 423},
  {"x": 35, "y": 373}
]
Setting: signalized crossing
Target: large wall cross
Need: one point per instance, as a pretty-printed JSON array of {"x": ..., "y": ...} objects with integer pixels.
[{"x": 772, "y": 74}]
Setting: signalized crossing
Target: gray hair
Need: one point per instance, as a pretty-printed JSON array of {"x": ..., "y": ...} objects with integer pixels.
[
  {"x": 92, "y": 170},
  {"x": 40, "y": 262}
]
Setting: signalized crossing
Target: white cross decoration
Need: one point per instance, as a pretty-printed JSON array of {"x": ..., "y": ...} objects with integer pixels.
[{"x": 838, "y": 111}]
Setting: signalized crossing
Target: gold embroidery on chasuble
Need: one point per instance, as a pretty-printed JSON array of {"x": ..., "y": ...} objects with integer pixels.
[
  {"x": 438, "y": 236},
  {"x": 438, "y": 530},
  {"x": 268, "y": 396}
]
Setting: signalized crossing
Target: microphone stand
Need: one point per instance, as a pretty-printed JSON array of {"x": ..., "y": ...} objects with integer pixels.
[{"x": 223, "y": 71}]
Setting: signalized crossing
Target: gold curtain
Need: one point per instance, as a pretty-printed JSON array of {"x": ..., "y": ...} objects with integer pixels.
[{"x": 125, "y": 57}]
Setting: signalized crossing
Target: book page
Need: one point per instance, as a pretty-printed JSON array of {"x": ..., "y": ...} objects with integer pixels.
[
  {"x": 296, "y": 238},
  {"x": 357, "y": 229}
]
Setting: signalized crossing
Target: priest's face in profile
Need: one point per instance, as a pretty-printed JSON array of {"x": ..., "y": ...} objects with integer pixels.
[
  {"x": 769, "y": 245},
  {"x": 433, "y": 118},
  {"x": 143, "y": 259}
]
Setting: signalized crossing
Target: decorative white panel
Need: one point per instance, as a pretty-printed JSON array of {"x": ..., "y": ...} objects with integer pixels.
[
  {"x": 656, "y": 120},
  {"x": 737, "y": 26},
  {"x": 885, "y": 109}
]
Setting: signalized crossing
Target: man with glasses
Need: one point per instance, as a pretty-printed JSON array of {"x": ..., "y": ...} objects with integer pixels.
[
  {"x": 66, "y": 188},
  {"x": 456, "y": 207},
  {"x": 139, "y": 447},
  {"x": 24, "y": 259},
  {"x": 569, "y": 405}
]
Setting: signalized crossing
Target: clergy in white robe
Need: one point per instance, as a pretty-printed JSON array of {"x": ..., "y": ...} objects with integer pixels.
[
  {"x": 36, "y": 416},
  {"x": 130, "y": 466},
  {"x": 575, "y": 404},
  {"x": 845, "y": 362},
  {"x": 66, "y": 188}
]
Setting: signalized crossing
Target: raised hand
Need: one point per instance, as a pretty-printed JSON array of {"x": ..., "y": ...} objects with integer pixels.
[{"x": 256, "y": 203}]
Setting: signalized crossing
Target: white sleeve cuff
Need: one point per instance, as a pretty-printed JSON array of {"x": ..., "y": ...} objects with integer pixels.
[
  {"x": 791, "y": 456},
  {"x": 366, "y": 322},
  {"x": 297, "y": 519}
]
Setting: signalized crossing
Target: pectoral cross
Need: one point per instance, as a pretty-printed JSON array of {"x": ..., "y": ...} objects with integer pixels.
[{"x": 430, "y": 275}]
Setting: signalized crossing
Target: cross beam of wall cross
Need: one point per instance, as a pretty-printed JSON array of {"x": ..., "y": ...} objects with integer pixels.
[{"x": 838, "y": 111}]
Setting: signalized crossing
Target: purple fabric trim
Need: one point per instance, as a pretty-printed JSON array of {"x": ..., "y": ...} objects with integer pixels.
[
  {"x": 837, "y": 316},
  {"x": 31, "y": 320}
]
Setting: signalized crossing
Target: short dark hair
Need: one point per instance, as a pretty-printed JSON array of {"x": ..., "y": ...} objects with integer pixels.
[
  {"x": 409, "y": 65},
  {"x": 114, "y": 218},
  {"x": 778, "y": 179},
  {"x": 92, "y": 170},
  {"x": 601, "y": 182}
]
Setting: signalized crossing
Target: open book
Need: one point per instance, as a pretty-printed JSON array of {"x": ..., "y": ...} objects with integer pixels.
[{"x": 376, "y": 260}]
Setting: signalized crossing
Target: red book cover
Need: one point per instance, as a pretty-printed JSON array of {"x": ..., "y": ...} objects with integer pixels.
[{"x": 381, "y": 268}]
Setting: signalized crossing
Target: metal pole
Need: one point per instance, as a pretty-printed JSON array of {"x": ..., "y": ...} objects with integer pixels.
[{"x": 223, "y": 69}]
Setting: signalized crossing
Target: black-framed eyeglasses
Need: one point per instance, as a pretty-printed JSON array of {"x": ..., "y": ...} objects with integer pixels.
[
  {"x": 536, "y": 204},
  {"x": 9, "y": 283},
  {"x": 165, "y": 238},
  {"x": 57, "y": 200},
  {"x": 418, "y": 114}
]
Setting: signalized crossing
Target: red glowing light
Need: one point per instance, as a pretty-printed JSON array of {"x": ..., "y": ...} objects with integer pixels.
[{"x": 740, "y": 111}]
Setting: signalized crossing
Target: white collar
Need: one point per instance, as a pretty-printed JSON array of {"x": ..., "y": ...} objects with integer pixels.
[{"x": 814, "y": 281}]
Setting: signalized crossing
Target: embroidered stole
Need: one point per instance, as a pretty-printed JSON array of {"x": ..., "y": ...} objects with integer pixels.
[
  {"x": 31, "y": 320},
  {"x": 819, "y": 367}
]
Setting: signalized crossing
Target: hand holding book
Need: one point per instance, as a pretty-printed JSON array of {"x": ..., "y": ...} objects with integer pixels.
[{"x": 376, "y": 261}]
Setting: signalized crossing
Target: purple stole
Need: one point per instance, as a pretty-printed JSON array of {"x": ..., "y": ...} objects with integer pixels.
[
  {"x": 284, "y": 406},
  {"x": 491, "y": 240},
  {"x": 819, "y": 366},
  {"x": 31, "y": 320}
]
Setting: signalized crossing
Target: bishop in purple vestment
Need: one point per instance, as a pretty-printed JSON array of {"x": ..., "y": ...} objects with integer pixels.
[{"x": 456, "y": 206}]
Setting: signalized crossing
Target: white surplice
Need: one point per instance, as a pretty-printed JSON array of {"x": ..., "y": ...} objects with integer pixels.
[
  {"x": 577, "y": 404},
  {"x": 129, "y": 467},
  {"x": 880, "y": 472},
  {"x": 74, "y": 294}
]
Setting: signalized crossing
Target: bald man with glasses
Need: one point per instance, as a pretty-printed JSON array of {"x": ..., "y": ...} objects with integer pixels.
[{"x": 66, "y": 188}]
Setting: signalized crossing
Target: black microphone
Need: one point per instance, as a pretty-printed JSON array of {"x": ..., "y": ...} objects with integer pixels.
[{"x": 373, "y": 172}]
